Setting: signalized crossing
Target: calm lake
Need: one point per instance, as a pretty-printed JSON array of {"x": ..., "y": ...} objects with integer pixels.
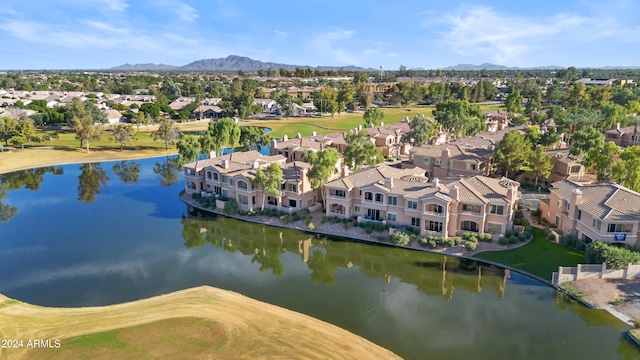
[{"x": 98, "y": 234}]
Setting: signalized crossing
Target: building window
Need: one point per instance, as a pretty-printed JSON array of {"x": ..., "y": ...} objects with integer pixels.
[
  {"x": 368, "y": 196},
  {"x": 557, "y": 220},
  {"x": 224, "y": 179},
  {"x": 340, "y": 193},
  {"x": 392, "y": 217},
  {"x": 190, "y": 172},
  {"x": 469, "y": 226},
  {"x": 225, "y": 193},
  {"x": 415, "y": 222},
  {"x": 496, "y": 209},
  {"x": 242, "y": 185},
  {"x": 566, "y": 204},
  {"x": 232, "y": 182},
  {"x": 393, "y": 200},
  {"x": 411, "y": 204},
  {"x": 427, "y": 160},
  {"x": 215, "y": 176},
  {"x": 471, "y": 208},
  {"x": 209, "y": 175},
  {"x": 292, "y": 203},
  {"x": 619, "y": 228},
  {"x": 357, "y": 208},
  {"x": 579, "y": 214},
  {"x": 292, "y": 187},
  {"x": 494, "y": 228},
  {"x": 434, "y": 208},
  {"x": 243, "y": 200},
  {"x": 379, "y": 198},
  {"x": 433, "y": 226},
  {"x": 438, "y": 162}
]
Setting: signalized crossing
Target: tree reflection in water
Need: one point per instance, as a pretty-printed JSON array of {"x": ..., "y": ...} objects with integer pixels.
[
  {"x": 29, "y": 179},
  {"x": 92, "y": 178},
  {"x": 127, "y": 171},
  {"x": 168, "y": 171}
]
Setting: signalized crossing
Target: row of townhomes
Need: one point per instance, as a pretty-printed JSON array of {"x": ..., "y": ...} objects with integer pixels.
[
  {"x": 443, "y": 189},
  {"x": 442, "y": 208}
]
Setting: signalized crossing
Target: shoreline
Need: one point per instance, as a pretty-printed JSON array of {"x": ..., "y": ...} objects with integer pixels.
[{"x": 625, "y": 318}]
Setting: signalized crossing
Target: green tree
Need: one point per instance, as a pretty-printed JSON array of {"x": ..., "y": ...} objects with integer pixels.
[
  {"x": 363, "y": 96},
  {"x": 83, "y": 124},
  {"x": 540, "y": 164},
  {"x": 123, "y": 134},
  {"x": 166, "y": 132},
  {"x": 326, "y": 100},
  {"x": 97, "y": 115},
  {"x": 373, "y": 115},
  {"x": 222, "y": 133},
  {"x": 585, "y": 139},
  {"x": 92, "y": 178},
  {"x": 269, "y": 181},
  {"x": 286, "y": 104},
  {"x": 549, "y": 138},
  {"x": 188, "y": 148},
  {"x": 360, "y": 150},
  {"x": 512, "y": 152},
  {"x": 8, "y": 128},
  {"x": 459, "y": 117},
  {"x": 151, "y": 109},
  {"x": 25, "y": 132},
  {"x": 575, "y": 94},
  {"x": 138, "y": 119},
  {"x": 533, "y": 134},
  {"x": 601, "y": 159},
  {"x": 345, "y": 96},
  {"x": 323, "y": 165},
  {"x": 513, "y": 103},
  {"x": 360, "y": 77},
  {"x": 252, "y": 137},
  {"x": 422, "y": 130},
  {"x": 127, "y": 171},
  {"x": 626, "y": 171},
  {"x": 611, "y": 115}
]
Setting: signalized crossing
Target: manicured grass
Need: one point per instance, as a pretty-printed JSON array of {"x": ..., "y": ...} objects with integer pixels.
[{"x": 539, "y": 257}]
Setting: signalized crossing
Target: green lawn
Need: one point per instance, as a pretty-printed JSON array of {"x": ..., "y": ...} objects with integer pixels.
[{"x": 539, "y": 257}]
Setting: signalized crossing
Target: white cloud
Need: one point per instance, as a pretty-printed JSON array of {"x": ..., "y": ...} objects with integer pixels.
[
  {"x": 117, "y": 5},
  {"x": 328, "y": 44},
  {"x": 186, "y": 12},
  {"x": 105, "y": 27},
  {"x": 481, "y": 30},
  {"x": 281, "y": 35}
]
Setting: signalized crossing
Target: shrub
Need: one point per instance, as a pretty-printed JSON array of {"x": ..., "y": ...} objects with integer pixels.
[
  {"x": 473, "y": 239},
  {"x": 522, "y": 237},
  {"x": 513, "y": 239},
  {"x": 503, "y": 241},
  {"x": 548, "y": 235},
  {"x": 311, "y": 226},
  {"x": 379, "y": 227},
  {"x": 308, "y": 218},
  {"x": 231, "y": 206},
  {"x": 615, "y": 257},
  {"x": 470, "y": 245},
  {"x": 345, "y": 226},
  {"x": 453, "y": 242},
  {"x": 456, "y": 240},
  {"x": 572, "y": 242},
  {"x": 412, "y": 230},
  {"x": 368, "y": 230},
  {"x": 424, "y": 241},
  {"x": 466, "y": 235},
  {"x": 485, "y": 237},
  {"x": 323, "y": 220},
  {"x": 432, "y": 244},
  {"x": 401, "y": 238}
]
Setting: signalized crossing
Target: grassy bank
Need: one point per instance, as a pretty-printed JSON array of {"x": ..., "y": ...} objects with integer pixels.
[
  {"x": 202, "y": 322},
  {"x": 539, "y": 257}
]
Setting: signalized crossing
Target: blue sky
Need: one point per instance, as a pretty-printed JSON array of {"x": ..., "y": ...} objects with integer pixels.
[{"x": 90, "y": 34}]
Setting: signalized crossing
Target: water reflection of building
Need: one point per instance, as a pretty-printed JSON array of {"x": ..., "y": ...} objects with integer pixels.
[{"x": 432, "y": 274}]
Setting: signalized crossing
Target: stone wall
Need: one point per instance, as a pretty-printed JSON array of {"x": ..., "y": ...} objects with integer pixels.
[{"x": 586, "y": 271}]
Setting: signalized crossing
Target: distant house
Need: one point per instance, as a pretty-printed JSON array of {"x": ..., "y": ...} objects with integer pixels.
[
  {"x": 496, "y": 120},
  {"x": 267, "y": 105},
  {"x": 626, "y": 136},
  {"x": 597, "y": 82},
  {"x": 206, "y": 112},
  {"x": 298, "y": 110},
  {"x": 114, "y": 116}
]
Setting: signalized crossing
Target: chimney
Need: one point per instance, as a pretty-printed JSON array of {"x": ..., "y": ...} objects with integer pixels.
[
  {"x": 617, "y": 126},
  {"x": 298, "y": 136},
  {"x": 511, "y": 194},
  {"x": 212, "y": 154},
  {"x": 444, "y": 162},
  {"x": 576, "y": 197},
  {"x": 225, "y": 164},
  {"x": 454, "y": 192},
  {"x": 314, "y": 133},
  {"x": 345, "y": 171},
  {"x": 255, "y": 164},
  {"x": 388, "y": 182},
  {"x": 381, "y": 123},
  {"x": 274, "y": 143},
  {"x": 435, "y": 182},
  {"x": 285, "y": 137}
]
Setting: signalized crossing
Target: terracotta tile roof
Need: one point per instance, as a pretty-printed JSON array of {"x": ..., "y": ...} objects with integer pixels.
[{"x": 606, "y": 200}]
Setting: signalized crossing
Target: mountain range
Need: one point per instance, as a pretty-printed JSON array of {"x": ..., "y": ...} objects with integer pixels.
[
  {"x": 489, "y": 66},
  {"x": 230, "y": 63}
]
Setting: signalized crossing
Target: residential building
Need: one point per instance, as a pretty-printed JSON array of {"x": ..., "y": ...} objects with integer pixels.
[
  {"x": 597, "y": 82},
  {"x": 603, "y": 211},
  {"x": 627, "y": 136},
  {"x": 443, "y": 208},
  {"x": 496, "y": 120},
  {"x": 230, "y": 176},
  {"x": 113, "y": 116},
  {"x": 207, "y": 112}
]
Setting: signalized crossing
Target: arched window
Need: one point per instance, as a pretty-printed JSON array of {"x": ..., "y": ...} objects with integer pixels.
[{"x": 242, "y": 185}]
